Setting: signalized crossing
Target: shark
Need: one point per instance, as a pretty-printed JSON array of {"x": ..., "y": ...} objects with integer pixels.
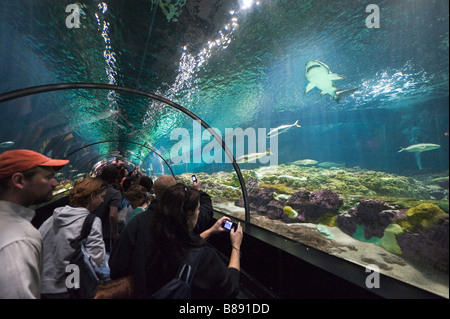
[
  {"x": 281, "y": 129},
  {"x": 419, "y": 148},
  {"x": 319, "y": 75},
  {"x": 6, "y": 144},
  {"x": 253, "y": 157}
]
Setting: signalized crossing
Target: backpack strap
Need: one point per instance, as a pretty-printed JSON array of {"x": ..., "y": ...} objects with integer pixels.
[
  {"x": 87, "y": 226},
  {"x": 190, "y": 266}
]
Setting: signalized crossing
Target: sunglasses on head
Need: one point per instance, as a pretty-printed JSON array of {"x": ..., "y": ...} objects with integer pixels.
[{"x": 187, "y": 190}]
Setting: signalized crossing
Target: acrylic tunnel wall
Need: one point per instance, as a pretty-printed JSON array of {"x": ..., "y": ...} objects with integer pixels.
[
  {"x": 337, "y": 115},
  {"x": 179, "y": 141}
]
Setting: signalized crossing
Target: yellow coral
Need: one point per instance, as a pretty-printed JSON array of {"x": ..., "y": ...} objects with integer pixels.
[
  {"x": 290, "y": 212},
  {"x": 422, "y": 216}
]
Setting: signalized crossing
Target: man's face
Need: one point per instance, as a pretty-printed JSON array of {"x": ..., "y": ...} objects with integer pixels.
[{"x": 39, "y": 188}]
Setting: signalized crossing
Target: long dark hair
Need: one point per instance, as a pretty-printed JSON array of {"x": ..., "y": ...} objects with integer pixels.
[{"x": 169, "y": 232}]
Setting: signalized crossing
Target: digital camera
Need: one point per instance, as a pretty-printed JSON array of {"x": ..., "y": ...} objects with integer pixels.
[{"x": 229, "y": 225}]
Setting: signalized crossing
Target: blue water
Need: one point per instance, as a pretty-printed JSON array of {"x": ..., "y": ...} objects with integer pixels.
[{"x": 236, "y": 64}]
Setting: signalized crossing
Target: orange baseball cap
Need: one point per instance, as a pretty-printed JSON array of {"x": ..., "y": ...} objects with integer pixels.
[{"x": 17, "y": 161}]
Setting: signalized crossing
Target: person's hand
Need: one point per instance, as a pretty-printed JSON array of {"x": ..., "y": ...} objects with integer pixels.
[
  {"x": 214, "y": 229},
  {"x": 217, "y": 227},
  {"x": 236, "y": 236},
  {"x": 196, "y": 185}
]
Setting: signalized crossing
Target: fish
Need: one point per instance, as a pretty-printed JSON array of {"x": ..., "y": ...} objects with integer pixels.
[
  {"x": 330, "y": 165},
  {"x": 417, "y": 149},
  {"x": 305, "y": 162},
  {"x": 253, "y": 157},
  {"x": 301, "y": 179},
  {"x": 68, "y": 137},
  {"x": 420, "y": 148},
  {"x": 6, "y": 144},
  {"x": 281, "y": 129},
  {"x": 319, "y": 75}
]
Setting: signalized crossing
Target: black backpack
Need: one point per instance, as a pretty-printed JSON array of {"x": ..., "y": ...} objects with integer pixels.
[
  {"x": 180, "y": 286},
  {"x": 88, "y": 280}
]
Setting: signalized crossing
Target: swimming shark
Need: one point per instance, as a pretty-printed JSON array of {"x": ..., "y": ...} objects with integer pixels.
[
  {"x": 253, "y": 157},
  {"x": 319, "y": 75},
  {"x": 281, "y": 129},
  {"x": 6, "y": 144},
  {"x": 419, "y": 148}
]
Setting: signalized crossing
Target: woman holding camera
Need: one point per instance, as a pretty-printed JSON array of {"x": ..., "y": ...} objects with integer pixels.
[{"x": 172, "y": 243}]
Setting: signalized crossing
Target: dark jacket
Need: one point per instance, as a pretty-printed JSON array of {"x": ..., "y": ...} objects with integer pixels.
[{"x": 129, "y": 256}]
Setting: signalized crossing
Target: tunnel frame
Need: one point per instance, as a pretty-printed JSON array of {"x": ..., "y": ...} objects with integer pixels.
[
  {"x": 11, "y": 95},
  {"x": 121, "y": 141}
]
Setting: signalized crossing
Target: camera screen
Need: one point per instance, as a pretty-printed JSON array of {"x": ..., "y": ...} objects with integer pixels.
[{"x": 228, "y": 225}]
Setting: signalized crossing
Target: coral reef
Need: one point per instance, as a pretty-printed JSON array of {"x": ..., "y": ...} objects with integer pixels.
[
  {"x": 426, "y": 235},
  {"x": 406, "y": 216},
  {"x": 262, "y": 201},
  {"x": 309, "y": 207},
  {"x": 429, "y": 245},
  {"x": 375, "y": 215},
  {"x": 421, "y": 217},
  {"x": 314, "y": 205}
]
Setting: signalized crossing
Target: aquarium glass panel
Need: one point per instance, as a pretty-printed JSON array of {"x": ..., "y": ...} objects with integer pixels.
[{"x": 336, "y": 112}]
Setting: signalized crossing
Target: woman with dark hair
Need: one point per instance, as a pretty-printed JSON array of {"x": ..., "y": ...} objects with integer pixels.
[
  {"x": 65, "y": 225},
  {"x": 109, "y": 209},
  {"x": 172, "y": 242}
]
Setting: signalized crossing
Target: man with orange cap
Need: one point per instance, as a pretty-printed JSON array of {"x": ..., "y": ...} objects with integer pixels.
[{"x": 26, "y": 178}]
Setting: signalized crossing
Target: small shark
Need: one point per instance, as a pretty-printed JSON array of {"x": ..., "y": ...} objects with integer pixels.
[
  {"x": 281, "y": 129},
  {"x": 419, "y": 148},
  {"x": 253, "y": 157},
  {"x": 6, "y": 144},
  {"x": 319, "y": 75}
]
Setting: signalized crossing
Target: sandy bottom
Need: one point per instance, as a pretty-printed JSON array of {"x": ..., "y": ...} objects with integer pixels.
[{"x": 422, "y": 276}]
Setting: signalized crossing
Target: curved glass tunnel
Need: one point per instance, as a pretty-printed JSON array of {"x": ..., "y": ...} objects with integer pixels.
[
  {"x": 174, "y": 147},
  {"x": 361, "y": 174}
]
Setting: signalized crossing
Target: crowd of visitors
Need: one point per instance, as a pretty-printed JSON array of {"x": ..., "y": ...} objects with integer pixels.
[{"x": 144, "y": 229}]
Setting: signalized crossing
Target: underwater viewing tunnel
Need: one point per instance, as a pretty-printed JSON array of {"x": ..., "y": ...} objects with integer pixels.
[{"x": 322, "y": 128}]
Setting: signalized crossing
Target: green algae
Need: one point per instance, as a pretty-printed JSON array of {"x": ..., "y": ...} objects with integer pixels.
[
  {"x": 389, "y": 240},
  {"x": 328, "y": 219},
  {"x": 359, "y": 235},
  {"x": 423, "y": 216}
]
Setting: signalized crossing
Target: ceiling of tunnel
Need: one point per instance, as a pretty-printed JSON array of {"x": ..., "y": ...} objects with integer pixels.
[{"x": 234, "y": 63}]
